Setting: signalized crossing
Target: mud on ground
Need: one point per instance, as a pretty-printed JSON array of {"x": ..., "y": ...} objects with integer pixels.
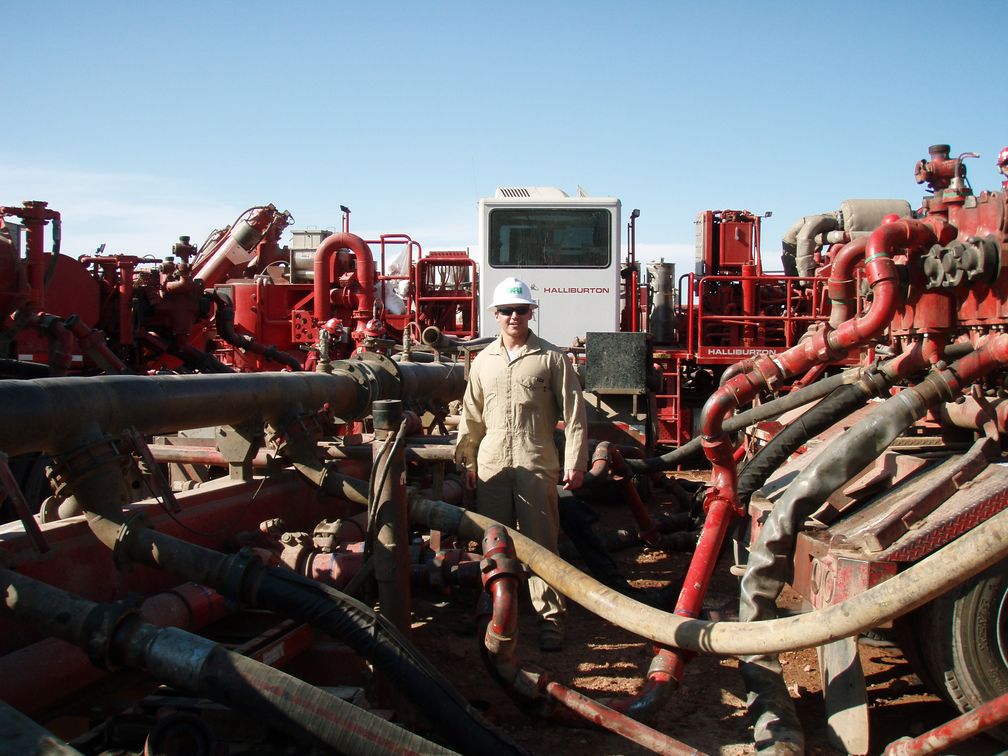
[{"x": 707, "y": 713}]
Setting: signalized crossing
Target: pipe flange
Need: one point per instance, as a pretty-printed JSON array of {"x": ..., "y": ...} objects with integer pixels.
[
  {"x": 387, "y": 374},
  {"x": 497, "y": 566},
  {"x": 122, "y": 548},
  {"x": 73, "y": 466},
  {"x": 100, "y": 626}
]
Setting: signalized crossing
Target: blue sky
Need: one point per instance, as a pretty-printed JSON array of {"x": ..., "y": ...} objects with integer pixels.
[{"x": 141, "y": 121}]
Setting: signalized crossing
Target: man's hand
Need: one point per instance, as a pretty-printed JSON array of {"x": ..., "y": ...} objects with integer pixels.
[
  {"x": 470, "y": 480},
  {"x": 573, "y": 479}
]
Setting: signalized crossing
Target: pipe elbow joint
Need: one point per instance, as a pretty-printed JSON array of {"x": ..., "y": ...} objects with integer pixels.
[{"x": 499, "y": 559}]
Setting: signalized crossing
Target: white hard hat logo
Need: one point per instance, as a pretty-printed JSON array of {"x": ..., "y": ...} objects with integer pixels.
[{"x": 512, "y": 291}]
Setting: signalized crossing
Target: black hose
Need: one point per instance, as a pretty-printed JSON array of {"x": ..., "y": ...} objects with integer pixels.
[
  {"x": 224, "y": 323},
  {"x": 766, "y": 411},
  {"x": 24, "y": 370},
  {"x": 769, "y": 567},
  {"x": 824, "y": 415},
  {"x": 377, "y": 640},
  {"x": 775, "y": 721},
  {"x": 114, "y": 635},
  {"x": 290, "y": 595}
]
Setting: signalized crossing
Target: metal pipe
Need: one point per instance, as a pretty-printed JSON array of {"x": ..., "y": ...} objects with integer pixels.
[
  {"x": 842, "y": 291},
  {"x": 990, "y": 714},
  {"x": 94, "y": 344},
  {"x": 365, "y": 277},
  {"x": 60, "y": 669},
  {"x": 416, "y": 451},
  {"x": 54, "y": 414},
  {"x": 602, "y": 716},
  {"x": 389, "y": 517}
]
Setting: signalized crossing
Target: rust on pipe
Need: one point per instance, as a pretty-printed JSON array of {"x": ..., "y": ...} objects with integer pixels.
[
  {"x": 612, "y": 720},
  {"x": 938, "y": 740},
  {"x": 390, "y": 517},
  {"x": 501, "y": 570}
]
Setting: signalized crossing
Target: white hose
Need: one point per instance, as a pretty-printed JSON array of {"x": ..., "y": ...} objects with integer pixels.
[{"x": 956, "y": 562}]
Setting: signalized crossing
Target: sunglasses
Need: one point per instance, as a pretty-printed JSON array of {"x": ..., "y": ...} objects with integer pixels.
[{"x": 507, "y": 311}]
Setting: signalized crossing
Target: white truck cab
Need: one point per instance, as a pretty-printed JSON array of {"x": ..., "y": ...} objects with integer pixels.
[{"x": 567, "y": 249}]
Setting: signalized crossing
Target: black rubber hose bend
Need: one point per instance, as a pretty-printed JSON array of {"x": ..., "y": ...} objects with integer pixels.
[
  {"x": 771, "y": 409},
  {"x": 824, "y": 415},
  {"x": 242, "y": 577},
  {"x": 392, "y": 654}
]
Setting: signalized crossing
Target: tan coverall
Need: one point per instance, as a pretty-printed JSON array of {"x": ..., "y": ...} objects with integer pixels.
[{"x": 509, "y": 412}]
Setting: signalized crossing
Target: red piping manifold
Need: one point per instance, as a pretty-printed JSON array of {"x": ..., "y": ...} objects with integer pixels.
[
  {"x": 768, "y": 373},
  {"x": 365, "y": 277},
  {"x": 501, "y": 574}
]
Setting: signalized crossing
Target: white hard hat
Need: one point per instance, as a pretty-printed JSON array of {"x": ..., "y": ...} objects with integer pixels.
[{"x": 511, "y": 291}]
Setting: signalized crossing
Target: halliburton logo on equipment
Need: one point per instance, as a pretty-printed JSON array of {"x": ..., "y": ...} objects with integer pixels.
[
  {"x": 735, "y": 351},
  {"x": 579, "y": 290}
]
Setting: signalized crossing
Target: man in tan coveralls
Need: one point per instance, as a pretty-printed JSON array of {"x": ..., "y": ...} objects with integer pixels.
[{"x": 519, "y": 386}]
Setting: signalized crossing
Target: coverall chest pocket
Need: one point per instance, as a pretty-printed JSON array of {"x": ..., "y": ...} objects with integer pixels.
[
  {"x": 532, "y": 387},
  {"x": 532, "y": 404}
]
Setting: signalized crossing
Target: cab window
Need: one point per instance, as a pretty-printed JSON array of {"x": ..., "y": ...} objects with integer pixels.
[{"x": 550, "y": 238}]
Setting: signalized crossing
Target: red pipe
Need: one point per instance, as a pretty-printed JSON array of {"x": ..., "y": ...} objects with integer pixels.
[
  {"x": 988, "y": 715},
  {"x": 61, "y": 343},
  {"x": 609, "y": 719},
  {"x": 824, "y": 345},
  {"x": 601, "y": 461},
  {"x": 365, "y": 277},
  {"x": 647, "y": 528},
  {"x": 698, "y": 576},
  {"x": 93, "y": 343},
  {"x": 721, "y": 501},
  {"x": 126, "y": 265},
  {"x": 500, "y": 568},
  {"x": 842, "y": 290}
]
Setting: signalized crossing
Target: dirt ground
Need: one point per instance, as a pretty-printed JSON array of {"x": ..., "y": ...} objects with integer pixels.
[{"x": 707, "y": 713}]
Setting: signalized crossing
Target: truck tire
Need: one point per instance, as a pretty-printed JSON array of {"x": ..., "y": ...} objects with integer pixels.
[{"x": 961, "y": 642}]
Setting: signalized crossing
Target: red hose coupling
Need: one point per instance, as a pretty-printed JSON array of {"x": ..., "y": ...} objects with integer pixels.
[
  {"x": 499, "y": 559},
  {"x": 719, "y": 450},
  {"x": 601, "y": 452},
  {"x": 726, "y": 495},
  {"x": 667, "y": 664}
]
